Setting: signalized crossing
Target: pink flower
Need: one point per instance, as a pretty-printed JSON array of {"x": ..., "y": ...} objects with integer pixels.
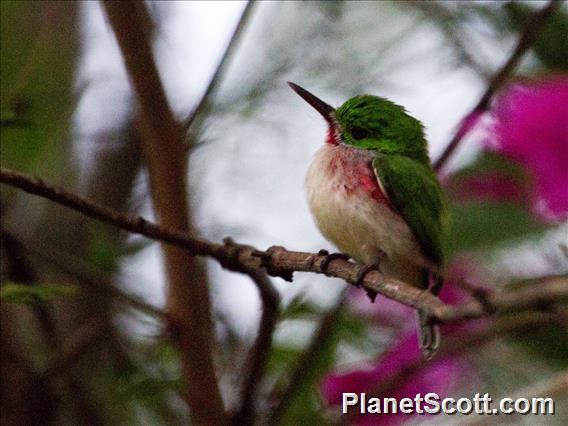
[
  {"x": 531, "y": 128},
  {"x": 439, "y": 375}
]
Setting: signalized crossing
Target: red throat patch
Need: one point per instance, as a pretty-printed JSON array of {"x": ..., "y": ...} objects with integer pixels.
[{"x": 331, "y": 139}]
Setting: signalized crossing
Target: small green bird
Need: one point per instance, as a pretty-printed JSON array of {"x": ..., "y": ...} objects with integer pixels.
[{"x": 373, "y": 193}]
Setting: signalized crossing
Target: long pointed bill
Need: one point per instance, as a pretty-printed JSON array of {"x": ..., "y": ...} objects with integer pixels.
[{"x": 320, "y": 106}]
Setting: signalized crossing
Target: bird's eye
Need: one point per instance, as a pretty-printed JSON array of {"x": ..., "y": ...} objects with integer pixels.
[{"x": 359, "y": 133}]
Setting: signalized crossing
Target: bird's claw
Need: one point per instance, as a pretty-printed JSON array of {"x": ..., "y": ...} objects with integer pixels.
[
  {"x": 329, "y": 257},
  {"x": 360, "y": 277}
]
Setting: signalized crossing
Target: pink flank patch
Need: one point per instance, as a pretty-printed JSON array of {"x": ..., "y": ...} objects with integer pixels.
[
  {"x": 368, "y": 182},
  {"x": 531, "y": 127}
]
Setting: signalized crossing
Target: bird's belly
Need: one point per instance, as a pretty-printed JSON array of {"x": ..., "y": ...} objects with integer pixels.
[{"x": 355, "y": 219}]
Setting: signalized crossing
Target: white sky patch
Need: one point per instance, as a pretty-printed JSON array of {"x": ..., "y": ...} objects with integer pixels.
[{"x": 547, "y": 255}]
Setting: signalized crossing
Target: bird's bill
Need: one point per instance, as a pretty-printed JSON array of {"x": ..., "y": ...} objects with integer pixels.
[{"x": 320, "y": 106}]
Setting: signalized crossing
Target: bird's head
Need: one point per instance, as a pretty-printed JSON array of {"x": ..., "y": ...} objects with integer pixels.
[{"x": 373, "y": 123}]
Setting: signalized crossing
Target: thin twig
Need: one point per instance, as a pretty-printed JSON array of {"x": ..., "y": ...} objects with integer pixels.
[
  {"x": 258, "y": 355},
  {"x": 280, "y": 262},
  {"x": 217, "y": 78},
  {"x": 526, "y": 39},
  {"x": 282, "y": 396},
  {"x": 444, "y": 19}
]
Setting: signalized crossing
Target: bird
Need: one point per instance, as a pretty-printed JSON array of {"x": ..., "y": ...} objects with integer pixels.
[{"x": 373, "y": 193}]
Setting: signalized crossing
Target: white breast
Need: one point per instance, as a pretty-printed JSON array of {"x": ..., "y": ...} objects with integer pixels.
[{"x": 356, "y": 223}]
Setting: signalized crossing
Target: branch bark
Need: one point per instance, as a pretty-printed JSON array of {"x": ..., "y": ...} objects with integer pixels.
[
  {"x": 163, "y": 148},
  {"x": 282, "y": 263},
  {"x": 526, "y": 39}
]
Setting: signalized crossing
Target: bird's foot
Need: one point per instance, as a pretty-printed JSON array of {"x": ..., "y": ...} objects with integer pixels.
[
  {"x": 435, "y": 284},
  {"x": 483, "y": 296},
  {"x": 360, "y": 277},
  {"x": 329, "y": 257}
]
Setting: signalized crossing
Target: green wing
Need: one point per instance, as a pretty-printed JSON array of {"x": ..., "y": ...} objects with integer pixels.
[{"x": 415, "y": 193}]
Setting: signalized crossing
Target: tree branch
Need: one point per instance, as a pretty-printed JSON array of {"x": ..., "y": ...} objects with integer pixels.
[
  {"x": 442, "y": 17},
  {"x": 188, "y": 300},
  {"x": 282, "y": 263},
  {"x": 526, "y": 39}
]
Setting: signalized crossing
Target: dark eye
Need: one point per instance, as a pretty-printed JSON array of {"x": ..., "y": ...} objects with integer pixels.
[{"x": 359, "y": 133}]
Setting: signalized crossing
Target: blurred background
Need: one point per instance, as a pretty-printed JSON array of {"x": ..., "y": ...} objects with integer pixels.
[{"x": 75, "y": 354}]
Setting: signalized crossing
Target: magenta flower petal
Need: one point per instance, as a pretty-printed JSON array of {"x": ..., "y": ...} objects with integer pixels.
[
  {"x": 531, "y": 127},
  {"x": 438, "y": 376}
]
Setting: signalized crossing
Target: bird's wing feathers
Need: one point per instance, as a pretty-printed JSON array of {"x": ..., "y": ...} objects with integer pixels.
[{"x": 415, "y": 193}]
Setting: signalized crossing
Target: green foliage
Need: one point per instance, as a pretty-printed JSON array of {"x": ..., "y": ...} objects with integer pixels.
[
  {"x": 37, "y": 55},
  {"x": 551, "y": 44},
  {"x": 33, "y": 294},
  {"x": 141, "y": 386},
  {"x": 483, "y": 221},
  {"x": 299, "y": 308},
  {"x": 490, "y": 162},
  {"x": 549, "y": 344},
  {"x": 488, "y": 224}
]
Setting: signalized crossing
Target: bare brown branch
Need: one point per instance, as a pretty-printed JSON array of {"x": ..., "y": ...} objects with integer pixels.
[
  {"x": 526, "y": 39},
  {"x": 163, "y": 148},
  {"x": 283, "y": 263}
]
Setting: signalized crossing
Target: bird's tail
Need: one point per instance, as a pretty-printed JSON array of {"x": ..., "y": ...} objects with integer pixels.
[{"x": 428, "y": 329}]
